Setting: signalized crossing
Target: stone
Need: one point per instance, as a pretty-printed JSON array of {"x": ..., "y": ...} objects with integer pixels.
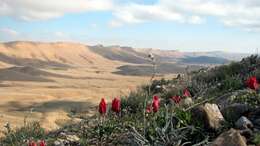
[
  {"x": 186, "y": 102},
  {"x": 72, "y": 138},
  {"x": 234, "y": 111},
  {"x": 67, "y": 139},
  {"x": 256, "y": 123},
  {"x": 59, "y": 142},
  {"x": 230, "y": 138},
  {"x": 255, "y": 118},
  {"x": 247, "y": 133},
  {"x": 243, "y": 123},
  {"x": 209, "y": 115}
]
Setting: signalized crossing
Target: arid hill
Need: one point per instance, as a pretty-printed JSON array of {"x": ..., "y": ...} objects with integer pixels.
[
  {"x": 52, "y": 54},
  {"x": 64, "y": 54}
]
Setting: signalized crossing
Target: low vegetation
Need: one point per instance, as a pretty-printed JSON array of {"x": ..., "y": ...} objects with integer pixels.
[{"x": 161, "y": 113}]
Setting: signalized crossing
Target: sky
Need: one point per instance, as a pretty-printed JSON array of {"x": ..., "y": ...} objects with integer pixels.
[{"x": 185, "y": 25}]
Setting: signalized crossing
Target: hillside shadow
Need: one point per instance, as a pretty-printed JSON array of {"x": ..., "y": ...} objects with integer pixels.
[
  {"x": 11, "y": 74},
  {"x": 28, "y": 73},
  {"x": 124, "y": 54},
  {"x": 30, "y": 62},
  {"x": 50, "y": 106},
  {"x": 148, "y": 70}
]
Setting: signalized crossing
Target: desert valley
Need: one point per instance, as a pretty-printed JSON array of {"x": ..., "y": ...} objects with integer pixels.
[
  {"x": 59, "y": 85},
  {"x": 46, "y": 81},
  {"x": 129, "y": 73}
]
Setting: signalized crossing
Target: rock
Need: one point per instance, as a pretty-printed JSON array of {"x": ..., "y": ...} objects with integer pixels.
[
  {"x": 210, "y": 115},
  {"x": 234, "y": 111},
  {"x": 243, "y": 123},
  {"x": 255, "y": 118},
  {"x": 65, "y": 139},
  {"x": 186, "y": 102},
  {"x": 256, "y": 123},
  {"x": 230, "y": 138},
  {"x": 72, "y": 138},
  {"x": 247, "y": 133},
  {"x": 59, "y": 142}
]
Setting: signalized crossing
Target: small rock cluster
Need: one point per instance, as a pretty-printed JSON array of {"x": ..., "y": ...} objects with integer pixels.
[
  {"x": 246, "y": 122},
  {"x": 65, "y": 139}
]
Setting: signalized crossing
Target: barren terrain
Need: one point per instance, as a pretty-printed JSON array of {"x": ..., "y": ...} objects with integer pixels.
[
  {"x": 48, "y": 81},
  {"x": 45, "y": 82}
]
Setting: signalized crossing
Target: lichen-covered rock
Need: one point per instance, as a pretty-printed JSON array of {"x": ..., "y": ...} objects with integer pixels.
[
  {"x": 230, "y": 138},
  {"x": 209, "y": 115}
]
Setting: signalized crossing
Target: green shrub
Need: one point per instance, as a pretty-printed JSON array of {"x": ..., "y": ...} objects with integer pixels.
[
  {"x": 250, "y": 98},
  {"x": 231, "y": 83},
  {"x": 184, "y": 117},
  {"x": 31, "y": 131},
  {"x": 257, "y": 139},
  {"x": 134, "y": 103}
]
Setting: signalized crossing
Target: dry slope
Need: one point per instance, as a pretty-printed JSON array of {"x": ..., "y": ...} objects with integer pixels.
[{"x": 20, "y": 53}]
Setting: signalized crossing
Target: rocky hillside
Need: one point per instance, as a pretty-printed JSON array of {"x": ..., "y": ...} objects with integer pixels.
[{"x": 217, "y": 106}]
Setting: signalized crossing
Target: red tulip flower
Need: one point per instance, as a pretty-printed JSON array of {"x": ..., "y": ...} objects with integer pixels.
[
  {"x": 148, "y": 108},
  {"x": 32, "y": 143},
  {"x": 186, "y": 93},
  {"x": 176, "y": 99},
  {"x": 42, "y": 143},
  {"x": 156, "y": 104},
  {"x": 252, "y": 83},
  {"x": 102, "y": 107},
  {"x": 116, "y": 105}
]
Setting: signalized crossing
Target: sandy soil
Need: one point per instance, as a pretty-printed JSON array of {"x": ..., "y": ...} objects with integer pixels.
[
  {"x": 35, "y": 85},
  {"x": 50, "y": 102}
]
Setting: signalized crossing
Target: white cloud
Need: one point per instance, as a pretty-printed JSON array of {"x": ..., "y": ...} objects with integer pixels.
[
  {"x": 139, "y": 13},
  {"x": 232, "y": 13},
  {"x": 60, "y": 34},
  {"x": 196, "y": 20},
  {"x": 47, "y": 9},
  {"x": 115, "y": 23},
  {"x": 9, "y": 32}
]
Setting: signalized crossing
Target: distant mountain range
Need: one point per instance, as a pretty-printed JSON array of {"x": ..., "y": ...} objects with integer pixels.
[
  {"x": 139, "y": 56},
  {"x": 126, "y": 60}
]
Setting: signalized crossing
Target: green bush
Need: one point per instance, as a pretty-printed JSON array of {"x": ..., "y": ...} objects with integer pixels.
[
  {"x": 250, "y": 98},
  {"x": 257, "y": 139},
  {"x": 31, "y": 131},
  {"x": 134, "y": 103},
  {"x": 231, "y": 83}
]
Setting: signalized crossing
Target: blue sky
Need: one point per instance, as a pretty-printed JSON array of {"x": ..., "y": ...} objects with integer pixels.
[{"x": 185, "y": 25}]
